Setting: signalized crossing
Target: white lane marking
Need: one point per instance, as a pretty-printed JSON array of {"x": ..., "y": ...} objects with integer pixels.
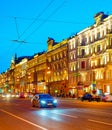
[
  {"x": 101, "y": 122},
  {"x": 23, "y": 120},
  {"x": 65, "y": 115}
]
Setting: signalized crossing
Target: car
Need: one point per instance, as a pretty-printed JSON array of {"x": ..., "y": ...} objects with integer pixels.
[
  {"x": 90, "y": 97},
  {"x": 22, "y": 95},
  {"x": 43, "y": 100},
  {"x": 107, "y": 98},
  {"x": 6, "y": 95}
]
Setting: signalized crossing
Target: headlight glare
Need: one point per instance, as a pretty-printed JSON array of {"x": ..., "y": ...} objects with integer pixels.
[
  {"x": 43, "y": 102},
  {"x": 55, "y": 101}
]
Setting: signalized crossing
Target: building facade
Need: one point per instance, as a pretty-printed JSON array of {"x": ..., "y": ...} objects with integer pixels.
[
  {"x": 93, "y": 62},
  {"x": 57, "y": 61},
  {"x": 79, "y": 64}
]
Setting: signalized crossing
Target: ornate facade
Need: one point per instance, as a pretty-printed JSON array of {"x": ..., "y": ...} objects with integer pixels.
[
  {"x": 57, "y": 61},
  {"x": 93, "y": 62}
]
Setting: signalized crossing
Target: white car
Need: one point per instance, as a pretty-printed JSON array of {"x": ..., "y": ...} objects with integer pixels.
[{"x": 107, "y": 98}]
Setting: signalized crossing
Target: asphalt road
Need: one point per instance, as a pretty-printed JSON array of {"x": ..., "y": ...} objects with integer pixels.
[{"x": 71, "y": 114}]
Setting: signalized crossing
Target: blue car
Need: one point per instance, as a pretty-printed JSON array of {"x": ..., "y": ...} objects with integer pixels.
[{"x": 43, "y": 100}]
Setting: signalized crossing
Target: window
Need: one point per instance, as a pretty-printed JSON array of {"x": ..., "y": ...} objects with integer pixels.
[
  {"x": 61, "y": 55},
  {"x": 89, "y": 39},
  {"x": 98, "y": 48},
  {"x": 111, "y": 42},
  {"x": 57, "y": 56},
  {"x": 83, "y": 52},
  {"x": 84, "y": 40},
  {"x": 108, "y": 75},
  {"x": 64, "y": 53},
  {"x": 103, "y": 33},
  {"x": 93, "y": 49},
  {"x": 93, "y": 38},
  {"x": 83, "y": 64},
  {"x": 74, "y": 55},
  {"x": 54, "y": 57},
  {"x": 98, "y": 35}
]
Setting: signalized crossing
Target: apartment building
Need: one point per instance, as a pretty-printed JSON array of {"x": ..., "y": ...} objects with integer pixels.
[
  {"x": 91, "y": 49},
  {"x": 57, "y": 61}
]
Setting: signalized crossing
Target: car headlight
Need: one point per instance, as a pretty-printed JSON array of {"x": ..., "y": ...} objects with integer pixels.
[
  {"x": 8, "y": 95},
  {"x": 55, "y": 101},
  {"x": 43, "y": 102}
]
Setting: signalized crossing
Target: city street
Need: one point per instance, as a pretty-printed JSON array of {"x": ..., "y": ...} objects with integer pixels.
[{"x": 70, "y": 114}]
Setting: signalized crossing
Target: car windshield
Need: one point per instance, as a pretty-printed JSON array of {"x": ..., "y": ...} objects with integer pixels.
[{"x": 44, "y": 96}]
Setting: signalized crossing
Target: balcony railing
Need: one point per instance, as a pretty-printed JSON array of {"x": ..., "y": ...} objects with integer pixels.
[{"x": 98, "y": 66}]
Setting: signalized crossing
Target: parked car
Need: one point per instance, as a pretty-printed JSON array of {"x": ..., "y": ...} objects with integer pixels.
[
  {"x": 107, "y": 98},
  {"x": 43, "y": 100},
  {"x": 90, "y": 97}
]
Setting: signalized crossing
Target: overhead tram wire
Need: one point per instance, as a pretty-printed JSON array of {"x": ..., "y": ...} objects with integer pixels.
[
  {"x": 37, "y": 18},
  {"x": 16, "y": 26},
  {"x": 46, "y": 19},
  {"x": 17, "y": 40},
  {"x": 53, "y": 20},
  {"x": 19, "y": 36}
]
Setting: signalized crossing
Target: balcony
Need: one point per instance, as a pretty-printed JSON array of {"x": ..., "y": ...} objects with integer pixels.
[
  {"x": 83, "y": 56},
  {"x": 109, "y": 47},
  {"x": 98, "y": 66}
]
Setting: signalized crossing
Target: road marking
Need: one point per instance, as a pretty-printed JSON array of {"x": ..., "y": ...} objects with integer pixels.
[
  {"x": 101, "y": 122},
  {"x": 24, "y": 120},
  {"x": 65, "y": 115}
]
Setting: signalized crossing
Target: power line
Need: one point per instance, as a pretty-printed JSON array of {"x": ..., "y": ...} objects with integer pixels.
[
  {"x": 46, "y": 19},
  {"x": 53, "y": 20},
  {"x": 37, "y": 17},
  {"x": 16, "y": 26}
]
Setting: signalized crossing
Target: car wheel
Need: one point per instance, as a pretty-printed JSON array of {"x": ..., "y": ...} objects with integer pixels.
[{"x": 34, "y": 103}]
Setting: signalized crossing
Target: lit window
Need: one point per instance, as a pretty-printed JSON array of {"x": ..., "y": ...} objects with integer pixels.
[
  {"x": 71, "y": 56},
  {"x": 87, "y": 50},
  {"x": 108, "y": 75},
  {"x": 74, "y": 67},
  {"x": 74, "y": 44},
  {"x": 95, "y": 62},
  {"x": 105, "y": 59},
  {"x": 71, "y": 46},
  {"x": 108, "y": 89},
  {"x": 74, "y": 56}
]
